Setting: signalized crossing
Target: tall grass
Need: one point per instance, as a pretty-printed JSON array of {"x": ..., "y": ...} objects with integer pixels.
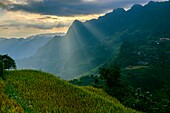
[
  {"x": 43, "y": 92},
  {"x": 8, "y": 105}
]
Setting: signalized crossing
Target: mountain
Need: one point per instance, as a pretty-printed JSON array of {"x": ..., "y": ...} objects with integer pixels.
[
  {"x": 22, "y": 48},
  {"x": 89, "y": 44},
  {"x": 60, "y": 55},
  {"x": 35, "y": 91}
]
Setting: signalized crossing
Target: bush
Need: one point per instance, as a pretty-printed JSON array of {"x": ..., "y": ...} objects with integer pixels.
[
  {"x": 1, "y": 69},
  {"x": 110, "y": 75}
]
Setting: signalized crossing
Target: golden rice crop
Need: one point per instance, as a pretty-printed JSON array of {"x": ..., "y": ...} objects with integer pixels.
[
  {"x": 8, "y": 105},
  {"x": 43, "y": 92}
]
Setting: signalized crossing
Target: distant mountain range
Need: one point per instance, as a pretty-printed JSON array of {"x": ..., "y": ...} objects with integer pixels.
[
  {"x": 22, "y": 48},
  {"x": 89, "y": 44}
]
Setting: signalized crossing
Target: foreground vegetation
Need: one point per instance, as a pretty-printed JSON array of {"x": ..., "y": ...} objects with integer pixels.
[
  {"x": 8, "y": 104},
  {"x": 34, "y": 91}
]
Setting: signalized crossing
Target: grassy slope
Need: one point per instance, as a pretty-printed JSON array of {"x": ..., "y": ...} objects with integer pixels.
[
  {"x": 43, "y": 92},
  {"x": 7, "y": 104}
]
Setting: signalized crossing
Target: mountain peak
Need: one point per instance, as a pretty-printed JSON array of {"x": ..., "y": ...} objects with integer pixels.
[
  {"x": 115, "y": 12},
  {"x": 119, "y": 10},
  {"x": 136, "y": 7},
  {"x": 77, "y": 22},
  {"x": 151, "y": 2}
]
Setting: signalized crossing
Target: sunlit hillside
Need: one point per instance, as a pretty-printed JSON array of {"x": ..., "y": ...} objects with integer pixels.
[{"x": 35, "y": 91}]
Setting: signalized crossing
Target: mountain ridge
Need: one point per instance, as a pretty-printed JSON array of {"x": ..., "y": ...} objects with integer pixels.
[
  {"x": 23, "y": 47},
  {"x": 88, "y": 44}
]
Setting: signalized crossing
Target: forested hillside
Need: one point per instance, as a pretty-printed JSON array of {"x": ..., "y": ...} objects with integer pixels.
[{"x": 143, "y": 73}]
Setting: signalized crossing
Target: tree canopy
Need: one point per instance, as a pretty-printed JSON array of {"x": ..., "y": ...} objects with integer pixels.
[
  {"x": 111, "y": 75},
  {"x": 8, "y": 62}
]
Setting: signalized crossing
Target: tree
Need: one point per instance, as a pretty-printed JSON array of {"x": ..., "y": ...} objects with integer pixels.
[
  {"x": 1, "y": 69},
  {"x": 114, "y": 85},
  {"x": 8, "y": 62},
  {"x": 111, "y": 75}
]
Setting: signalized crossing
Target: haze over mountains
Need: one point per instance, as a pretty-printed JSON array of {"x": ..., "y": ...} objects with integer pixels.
[
  {"x": 22, "y": 48},
  {"x": 89, "y": 44}
]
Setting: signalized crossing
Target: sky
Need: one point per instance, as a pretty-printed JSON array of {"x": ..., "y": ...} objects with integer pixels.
[{"x": 23, "y": 18}]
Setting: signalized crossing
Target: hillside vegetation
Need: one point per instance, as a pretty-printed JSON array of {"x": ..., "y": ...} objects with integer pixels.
[
  {"x": 7, "y": 104},
  {"x": 35, "y": 91},
  {"x": 145, "y": 68}
]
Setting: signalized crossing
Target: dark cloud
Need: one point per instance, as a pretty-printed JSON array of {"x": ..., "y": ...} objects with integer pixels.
[
  {"x": 2, "y": 5},
  {"x": 47, "y": 17},
  {"x": 72, "y": 7},
  {"x": 5, "y": 3},
  {"x": 45, "y": 26}
]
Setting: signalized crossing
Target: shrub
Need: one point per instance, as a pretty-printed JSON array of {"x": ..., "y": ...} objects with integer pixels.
[{"x": 1, "y": 69}]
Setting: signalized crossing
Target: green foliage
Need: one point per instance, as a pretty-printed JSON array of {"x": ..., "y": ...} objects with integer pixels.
[
  {"x": 145, "y": 66},
  {"x": 8, "y": 105},
  {"x": 151, "y": 67},
  {"x": 43, "y": 92},
  {"x": 101, "y": 93},
  {"x": 127, "y": 55},
  {"x": 140, "y": 100},
  {"x": 147, "y": 101},
  {"x": 114, "y": 86},
  {"x": 84, "y": 80},
  {"x": 1, "y": 69},
  {"x": 111, "y": 75},
  {"x": 13, "y": 93},
  {"x": 9, "y": 63},
  {"x": 136, "y": 98}
]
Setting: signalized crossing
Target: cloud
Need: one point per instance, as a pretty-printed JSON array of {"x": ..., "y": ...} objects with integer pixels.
[
  {"x": 68, "y": 7},
  {"x": 2, "y": 4},
  {"x": 22, "y": 18},
  {"x": 49, "y": 25},
  {"x": 47, "y": 17}
]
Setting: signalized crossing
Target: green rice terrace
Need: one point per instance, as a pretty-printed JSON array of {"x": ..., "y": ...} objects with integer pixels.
[{"x": 34, "y": 92}]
